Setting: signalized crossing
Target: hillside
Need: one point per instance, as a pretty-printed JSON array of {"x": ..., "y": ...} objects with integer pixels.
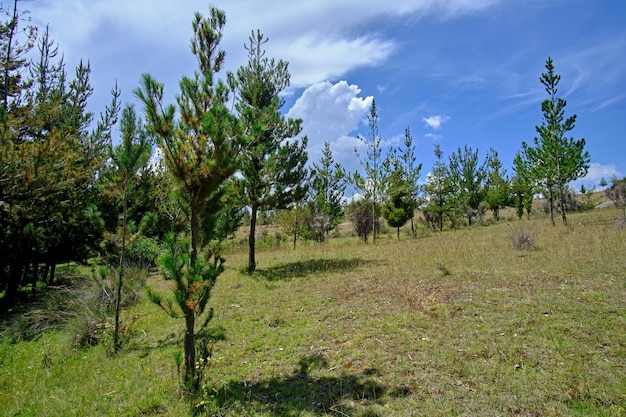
[{"x": 452, "y": 323}]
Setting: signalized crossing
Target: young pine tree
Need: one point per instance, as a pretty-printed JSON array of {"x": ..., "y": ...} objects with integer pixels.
[
  {"x": 127, "y": 158},
  {"x": 328, "y": 187},
  {"x": 201, "y": 150},
  {"x": 555, "y": 160},
  {"x": 273, "y": 173},
  {"x": 372, "y": 183}
]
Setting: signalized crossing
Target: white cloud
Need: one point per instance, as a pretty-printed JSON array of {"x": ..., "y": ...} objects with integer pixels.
[
  {"x": 331, "y": 112},
  {"x": 595, "y": 174},
  {"x": 432, "y": 136},
  {"x": 321, "y": 39},
  {"x": 435, "y": 122}
]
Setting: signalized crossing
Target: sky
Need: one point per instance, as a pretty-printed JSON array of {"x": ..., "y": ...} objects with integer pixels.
[{"x": 455, "y": 72}]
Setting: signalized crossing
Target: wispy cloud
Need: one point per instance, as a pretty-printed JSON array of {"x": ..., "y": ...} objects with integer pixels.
[
  {"x": 432, "y": 136},
  {"x": 322, "y": 40},
  {"x": 435, "y": 122}
]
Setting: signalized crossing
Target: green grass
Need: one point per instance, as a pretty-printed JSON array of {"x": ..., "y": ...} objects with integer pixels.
[{"x": 450, "y": 324}]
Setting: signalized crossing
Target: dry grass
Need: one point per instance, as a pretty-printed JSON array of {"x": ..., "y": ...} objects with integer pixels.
[{"x": 346, "y": 328}]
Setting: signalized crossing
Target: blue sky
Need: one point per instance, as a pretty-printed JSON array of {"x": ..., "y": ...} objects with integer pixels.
[{"x": 455, "y": 72}]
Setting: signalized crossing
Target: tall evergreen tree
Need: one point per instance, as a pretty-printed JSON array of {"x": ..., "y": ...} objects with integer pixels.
[
  {"x": 522, "y": 186},
  {"x": 13, "y": 52},
  {"x": 412, "y": 170},
  {"x": 372, "y": 183},
  {"x": 201, "y": 150},
  {"x": 556, "y": 160},
  {"x": 439, "y": 190},
  {"x": 328, "y": 187},
  {"x": 273, "y": 164},
  {"x": 49, "y": 163},
  {"x": 498, "y": 194},
  {"x": 468, "y": 177}
]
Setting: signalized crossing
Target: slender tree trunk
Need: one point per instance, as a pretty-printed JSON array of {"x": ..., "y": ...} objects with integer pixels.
[
  {"x": 374, "y": 221},
  {"x": 53, "y": 267},
  {"x": 252, "y": 240},
  {"x": 295, "y": 229},
  {"x": 398, "y": 233},
  {"x": 189, "y": 344},
  {"x": 118, "y": 297},
  {"x": 562, "y": 203},
  {"x": 551, "y": 204},
  {"x": 35, "y": 277},
  {"x": 12, "y": 287}
]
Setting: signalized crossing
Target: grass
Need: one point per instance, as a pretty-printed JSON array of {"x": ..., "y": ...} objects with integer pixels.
[{"x": 450, "y": 324}]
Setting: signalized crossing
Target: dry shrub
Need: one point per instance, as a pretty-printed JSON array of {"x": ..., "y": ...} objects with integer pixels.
[{"x": 522, "y": 240}]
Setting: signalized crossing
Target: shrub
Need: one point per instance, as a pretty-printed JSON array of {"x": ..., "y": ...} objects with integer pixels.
[
  {"x": 142, "y": 252},
  {"x": 361, "y": 219},
  {"x": 522, "y": 240}
]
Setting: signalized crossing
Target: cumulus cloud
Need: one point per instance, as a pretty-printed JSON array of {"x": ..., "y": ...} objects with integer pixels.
[
  {"x": 595, "y": 174},
  {"x": 331, "y": 112},
  {"x": 435, "y": 122}
]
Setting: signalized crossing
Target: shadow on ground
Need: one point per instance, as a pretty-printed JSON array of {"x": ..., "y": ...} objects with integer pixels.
[
  {"x": 299, "y": 392},
  {"x": 302, "y": 269}
]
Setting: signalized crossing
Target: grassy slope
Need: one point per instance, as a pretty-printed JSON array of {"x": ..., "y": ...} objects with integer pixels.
[{"x": 455, "y": 323}]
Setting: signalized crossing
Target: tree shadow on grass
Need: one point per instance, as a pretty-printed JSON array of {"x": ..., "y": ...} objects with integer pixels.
[
  {"x": 299, "y": 392},
  {"x": 301, "y": 269}
]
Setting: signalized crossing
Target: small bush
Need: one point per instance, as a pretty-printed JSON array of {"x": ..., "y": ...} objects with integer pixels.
[
  {"x": 142, "y": 252},
  {"x": 522, "y": 240}
]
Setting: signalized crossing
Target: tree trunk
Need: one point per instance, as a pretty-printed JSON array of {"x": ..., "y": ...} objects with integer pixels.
[
  {"x": 398, "y": 233},
  {"x": 35, "y": 277},
  {"x": 374, "y": 228},
  {"x": 53, "y": 268},
  {"x": 252, "y": 240},
  {"x": 118, "y": 297},
  {"x": 189, "y": 344},
  {"x": 551, "y": 204},
  {"x": 562, "y": 203}
]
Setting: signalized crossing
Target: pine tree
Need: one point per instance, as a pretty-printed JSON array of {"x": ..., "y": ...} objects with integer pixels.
[
  {"x": 498, "y": 193},
  {"x": 439, "y": 190},
  {"x": 522, "y": 186},
  {"x": 328, "y": 187},
  {"x": 372, "y": 183},
  {"x": 555, "y": 160},
  {"x": 127, "y": 158},
  {"x": 468, "y": 178},
  {"x": 49, "y": 163},
  {"x": 201, "y": 150},
  {"x": 273, "y": 164},
  {"x": 412, "y": 170},
  {"x": 399, "y": 207}
]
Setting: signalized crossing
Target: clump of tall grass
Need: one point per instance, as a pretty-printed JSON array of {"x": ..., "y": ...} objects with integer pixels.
[
  {"x": 522, "y": 239},
  {"x": 91, "y": 323}
]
